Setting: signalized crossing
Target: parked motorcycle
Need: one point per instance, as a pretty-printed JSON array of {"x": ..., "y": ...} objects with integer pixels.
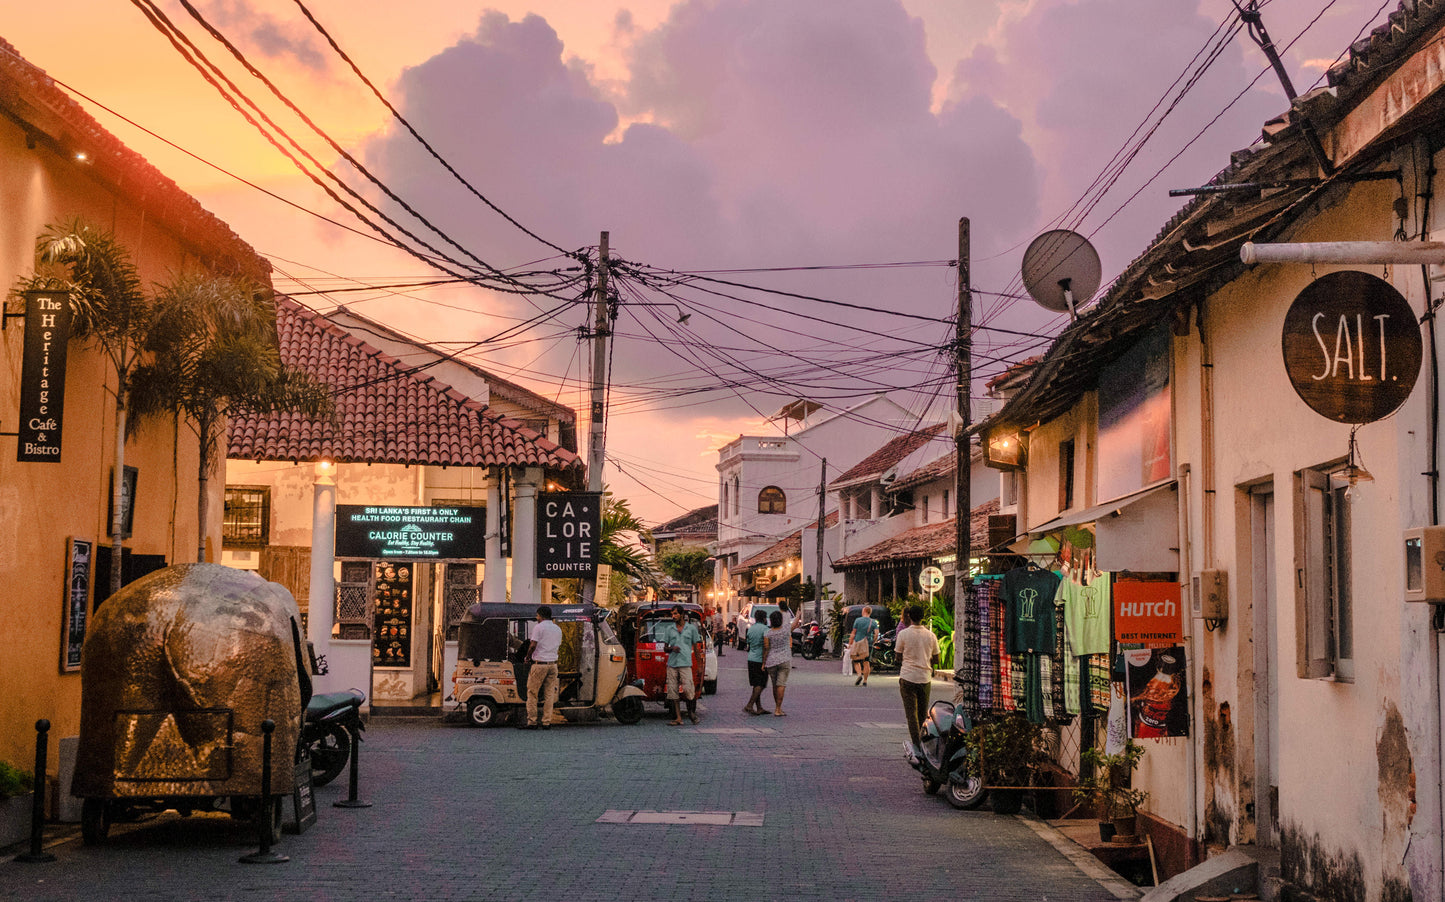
[
  {"x": 884, "y": 657},
  {"x": 943, "y": 759},
  {"x": 808, "y": 640},
  {"x": 331, "y": 720}
]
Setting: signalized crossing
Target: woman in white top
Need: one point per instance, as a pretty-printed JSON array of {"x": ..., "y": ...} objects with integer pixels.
[{"x": 778, "y": 658}]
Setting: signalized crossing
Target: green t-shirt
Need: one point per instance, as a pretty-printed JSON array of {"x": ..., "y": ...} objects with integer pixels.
[
  {"x": 756, "y": 632},
  {"x": 1086, "y": 615}
]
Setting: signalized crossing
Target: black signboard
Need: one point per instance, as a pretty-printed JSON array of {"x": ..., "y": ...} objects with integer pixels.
[
  {"x": 1352, "y": 347},
  {"x": 391, "y": 642},
  {"x": 77, "y": 602},
  {"x": 411, "y": 533},
  {"x": 569, "y": 532},
  {"x": 303, "y": 801},
  {"x": 42, "y": 376}
]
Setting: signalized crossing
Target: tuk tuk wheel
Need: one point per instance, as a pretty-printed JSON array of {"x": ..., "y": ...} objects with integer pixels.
[
  {"x": 482, "y": 712},
  {"x": 627, "y": 710},
  {"x": 94, "y": 821}
]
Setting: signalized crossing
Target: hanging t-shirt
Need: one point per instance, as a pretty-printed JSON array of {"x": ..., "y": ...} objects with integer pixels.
[
  {"x": 1086, "y": 615},
  {"x": 1028, "y": 594}
]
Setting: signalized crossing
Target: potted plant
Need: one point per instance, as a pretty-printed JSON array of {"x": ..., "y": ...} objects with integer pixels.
[
  {"x": 16, "y": 802},
  {"x": 1006, "y": 751},
  {"x": 1116, "y": 803}
]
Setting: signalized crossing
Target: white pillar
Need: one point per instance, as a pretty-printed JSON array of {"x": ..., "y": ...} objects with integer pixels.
[
  {"x": 321, "y": 611},
  {"x": 494, "y": 578},
  {"x": 526, "y": 589}
]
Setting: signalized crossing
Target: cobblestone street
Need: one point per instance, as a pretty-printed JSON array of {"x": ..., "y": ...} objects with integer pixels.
[{"x": 815, "y": 805}]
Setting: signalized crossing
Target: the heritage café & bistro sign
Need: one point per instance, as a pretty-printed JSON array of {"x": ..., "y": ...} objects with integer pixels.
[
  {"x": 42, "y": 376},
  {"x": 411, "y": 533}
]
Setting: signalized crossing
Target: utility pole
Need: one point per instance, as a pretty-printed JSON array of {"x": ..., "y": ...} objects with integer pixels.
[
  {"x": 818, "y": 566},
  {"x": 596, "y": 437},
  {"x": 962, "y": 477}
]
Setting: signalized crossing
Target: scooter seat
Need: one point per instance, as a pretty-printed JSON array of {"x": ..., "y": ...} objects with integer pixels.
[{"x": 329, "y": 703}]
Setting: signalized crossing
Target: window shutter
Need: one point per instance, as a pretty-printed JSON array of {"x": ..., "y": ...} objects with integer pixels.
[{"x": 1312, "y": 575}]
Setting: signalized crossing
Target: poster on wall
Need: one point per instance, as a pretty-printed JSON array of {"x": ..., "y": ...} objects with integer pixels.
[
  {"x": 77, "y": 602},
  {"x": 391, "y": 642},
  {"x": 1134, "y": 415},
  {"x": 1158, "y": 699}
]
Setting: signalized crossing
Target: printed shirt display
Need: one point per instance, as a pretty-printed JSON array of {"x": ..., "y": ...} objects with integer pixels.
[
  {"x": 1086, "y": 615},
  {"x": 1028, "y": 593}
]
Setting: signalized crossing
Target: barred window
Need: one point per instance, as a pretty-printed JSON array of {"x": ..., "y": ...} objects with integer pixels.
[
  {"x": 247, "y": 519},
  {"x": 771, "y": 500}
]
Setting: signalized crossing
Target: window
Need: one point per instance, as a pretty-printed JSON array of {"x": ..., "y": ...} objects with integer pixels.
[
  {"x": 924, "y": 508},
  {"x": 944, "y": 512},
  {"x": 1324, "y": 628},
  {"x": 771, "y": 500},
  {"x": 247, "y": 518},
  {"x": 737, "y": 494},
  {"x": 1066, "y": 475}
]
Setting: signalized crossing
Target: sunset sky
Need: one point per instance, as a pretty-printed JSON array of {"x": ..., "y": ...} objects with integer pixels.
[{"x": 815, "y": 139}]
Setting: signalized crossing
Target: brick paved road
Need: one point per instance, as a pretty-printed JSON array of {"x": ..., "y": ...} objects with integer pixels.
[{"x": 461, "y": 814}]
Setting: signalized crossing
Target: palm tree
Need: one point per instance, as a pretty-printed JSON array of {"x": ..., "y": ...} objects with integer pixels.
[
  {"x": 110, "y": 309},
  {"x": 621, "y": 542},
  {"x": 213, "y": 353}
]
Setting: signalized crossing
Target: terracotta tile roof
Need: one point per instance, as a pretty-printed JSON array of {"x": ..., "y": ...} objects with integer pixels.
[
  {"x": 1385, "y": 43},
  {"x": 701, "y": 520},
  {"x": 935, "y": 469},
  {"x": 51, "y": 118},
  {"x": 789, "y": 547},
  {"x": 385, "y": 412},
  {"x": 922, "y": 542},
  {"x": 879, "y": 462}
]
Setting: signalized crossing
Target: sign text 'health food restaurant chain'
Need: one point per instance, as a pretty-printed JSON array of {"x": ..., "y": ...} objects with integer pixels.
[{"x": 415, "y": 533}]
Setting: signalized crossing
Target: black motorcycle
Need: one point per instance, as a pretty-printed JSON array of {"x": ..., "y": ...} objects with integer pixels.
[
  {"x": 884, "y": 657},
  {"x": 943, "y": 758},
  {"x": 332, "y": 719},
  {"x": 808, "y": 640}
]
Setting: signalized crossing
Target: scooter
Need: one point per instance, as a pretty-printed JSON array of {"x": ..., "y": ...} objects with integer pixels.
[
  {"x": 884, "y": 657},
  {"x": 944, "y": 760},
  {"x": 331, "y": 720},
  {"x": 808, "y": 640}
]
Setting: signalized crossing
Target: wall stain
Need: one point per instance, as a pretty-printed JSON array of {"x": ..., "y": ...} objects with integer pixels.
[
  {"x": 1219, "y": 802},
  {"x": 1312, "y": 872},
  {"x": 1396, "y": 788}
]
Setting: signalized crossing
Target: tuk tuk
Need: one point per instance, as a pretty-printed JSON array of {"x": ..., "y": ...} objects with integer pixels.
[
  {"x": 178, "y": 673},
  {"x": 646, "y": 661},
  {"x": 490, "y": 680}
]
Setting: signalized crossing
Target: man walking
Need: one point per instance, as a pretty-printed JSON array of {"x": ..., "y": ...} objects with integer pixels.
[
  {"x": 918, "y": 648},
  {"x": 545, "y": 641},
  {"x": 679, "y": 639}
]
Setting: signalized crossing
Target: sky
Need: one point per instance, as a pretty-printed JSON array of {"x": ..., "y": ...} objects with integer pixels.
[{"x": 787, "y": 176}]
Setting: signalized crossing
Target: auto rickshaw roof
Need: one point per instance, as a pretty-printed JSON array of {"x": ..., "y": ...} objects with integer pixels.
[
  {"x": 664, "y": 608},
  {"x": 570, "y": 613}
]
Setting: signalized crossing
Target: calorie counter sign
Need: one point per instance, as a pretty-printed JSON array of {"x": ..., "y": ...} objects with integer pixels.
[{"x": 569, "y": 532}]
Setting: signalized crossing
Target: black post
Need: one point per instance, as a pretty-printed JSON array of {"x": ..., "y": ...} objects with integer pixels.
[
  {"x": 264, "y": 810},
  {"x": 351, "y": 801},
  {"x": 36, "y": 854}
]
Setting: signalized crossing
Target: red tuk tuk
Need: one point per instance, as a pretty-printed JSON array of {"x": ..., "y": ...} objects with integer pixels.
[{"x": 646, "y": 661}]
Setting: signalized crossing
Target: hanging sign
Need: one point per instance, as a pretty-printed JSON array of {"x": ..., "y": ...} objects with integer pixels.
[
  {"x": 1352, "y": 347},
  {"x": 569, "y": 532},
  {"x": 1147, "y": 612},
  {"x": 411, "y": 533},
  {"x": 42, "y": 376}
]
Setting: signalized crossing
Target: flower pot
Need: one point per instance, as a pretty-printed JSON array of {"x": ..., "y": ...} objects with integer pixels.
[
  {"x": 1125, "y": 827},
  {"x": 1006, "y": 801},
  {"x": 1106, "y": 831},
  {"x": 15, "y": 818}
]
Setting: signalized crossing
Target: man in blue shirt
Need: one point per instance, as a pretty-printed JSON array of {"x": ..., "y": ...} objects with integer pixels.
[
  {"x": 757, "y": 673},
  {"x": 680, "y": 639}
]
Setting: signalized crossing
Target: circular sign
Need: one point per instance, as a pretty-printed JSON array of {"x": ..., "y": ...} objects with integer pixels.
[
  {"x": 931, "y": 579},
  {"x": 1352, "y": 347}
]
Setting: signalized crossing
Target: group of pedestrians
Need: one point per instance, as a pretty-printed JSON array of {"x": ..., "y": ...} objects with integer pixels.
[{"x": 770, "y": 658}]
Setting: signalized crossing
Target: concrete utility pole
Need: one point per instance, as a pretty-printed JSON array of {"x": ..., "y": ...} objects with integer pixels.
[
  {"x": 962, "y": 477},
  {"x": 597, "y": 436},
  {"x": 818, "y": 566}
]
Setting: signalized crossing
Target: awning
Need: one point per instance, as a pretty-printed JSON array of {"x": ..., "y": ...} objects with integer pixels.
[
  {"x": 1138, "y": 532},
  {"x": 776, "y": 588},
  {"x": 1100, "y": 511}
]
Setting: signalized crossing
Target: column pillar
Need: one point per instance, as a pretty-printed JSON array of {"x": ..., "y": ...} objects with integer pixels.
[
  {"x": 526, "y": 589},
  {"x": 321, "y": 599},
  {"x": 494, "y": 578}
]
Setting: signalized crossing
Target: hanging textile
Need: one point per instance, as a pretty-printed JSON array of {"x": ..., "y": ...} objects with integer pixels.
[
  {"x": 968, "y": 651},
  {"x": 1028, "y": 594}
]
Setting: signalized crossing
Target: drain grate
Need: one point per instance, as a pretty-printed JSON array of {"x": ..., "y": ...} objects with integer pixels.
[{"x": 686, "y": 818}]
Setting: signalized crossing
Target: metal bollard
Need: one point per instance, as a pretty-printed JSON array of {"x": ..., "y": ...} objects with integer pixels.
[
  {"x": 37, "y": 855},
  {"x": 351, "y": 801},
  {"x": 263, "y": 814}
]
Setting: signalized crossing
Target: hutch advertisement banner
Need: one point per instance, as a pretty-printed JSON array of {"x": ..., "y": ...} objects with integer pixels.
[{"x": 1147, "y": 613}]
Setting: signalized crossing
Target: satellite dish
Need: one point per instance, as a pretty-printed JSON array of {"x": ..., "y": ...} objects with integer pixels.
[{"x": 1061, "y": 270}]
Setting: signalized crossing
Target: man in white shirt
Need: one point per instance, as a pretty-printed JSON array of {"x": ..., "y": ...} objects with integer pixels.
[
  {"x": 545, "y": 642},
  {"x": 918, "y": 648}
]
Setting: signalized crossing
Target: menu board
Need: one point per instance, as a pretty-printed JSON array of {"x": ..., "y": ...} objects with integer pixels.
[
  {"x": 77, "y": 598},
  {"x": 391, "y": 641}
]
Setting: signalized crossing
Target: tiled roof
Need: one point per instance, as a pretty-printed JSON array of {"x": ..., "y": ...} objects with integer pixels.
[
  {"x": 922, "y": 542},
  {"x": 938, "y": 468},
  {"x": 1385, "y": 43},
  {"x": 52, "y": 118},
  {"x": 385, "y": 412},
  {"x": 701, "y": 520},
  {"x": 878, "y": 463},
  {"x": 789, "y": 547}
]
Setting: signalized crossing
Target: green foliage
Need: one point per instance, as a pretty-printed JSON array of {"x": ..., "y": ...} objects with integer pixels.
[
  {"x": 1108, "y": 787},
  {"x": 14, "y": 781},
  {"x": 834, "y": 617},
  {"x": 1005, "y": 749},
  {"x": 687, "y": 564},
  {"x": 940, "y": 620},
  {"x": 621, "y": 542}
]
